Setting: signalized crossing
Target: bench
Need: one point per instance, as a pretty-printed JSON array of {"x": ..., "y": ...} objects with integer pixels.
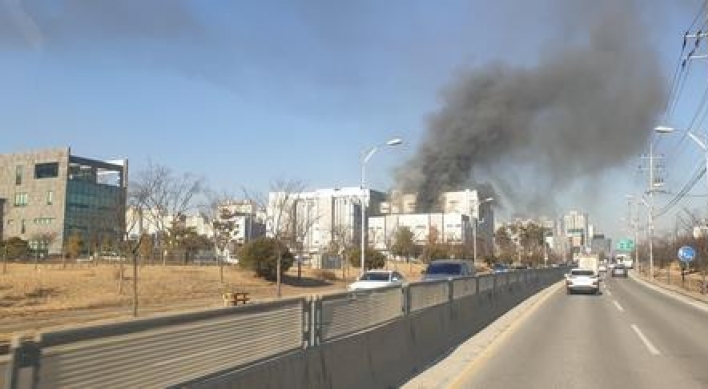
[{"x": 234, "y": 298}]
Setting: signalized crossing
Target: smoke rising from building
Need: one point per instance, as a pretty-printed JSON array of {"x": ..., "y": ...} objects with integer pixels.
[{"x": 586, "y": 106}]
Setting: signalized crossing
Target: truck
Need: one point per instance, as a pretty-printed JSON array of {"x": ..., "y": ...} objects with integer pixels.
[
  {"x": 589, "y": 262},
  {"x": 625, "y": 259}
]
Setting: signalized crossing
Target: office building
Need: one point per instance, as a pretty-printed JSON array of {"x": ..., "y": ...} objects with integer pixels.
[{"x": 50, "y": 195}]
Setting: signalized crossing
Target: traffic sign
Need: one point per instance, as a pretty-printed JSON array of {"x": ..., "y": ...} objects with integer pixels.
[
  {"x": 686, "y": 254},
  {"x": 625, "y": 245}
]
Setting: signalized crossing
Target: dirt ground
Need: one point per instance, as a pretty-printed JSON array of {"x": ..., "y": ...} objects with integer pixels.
[
  {"x": 694, "y": 283},
  {"x": 52, "y": 296}
]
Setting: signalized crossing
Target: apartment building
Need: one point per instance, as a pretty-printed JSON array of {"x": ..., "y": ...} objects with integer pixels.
[
  {"x": 576, "y": 230},
  {"x": 49, "y": 195}
]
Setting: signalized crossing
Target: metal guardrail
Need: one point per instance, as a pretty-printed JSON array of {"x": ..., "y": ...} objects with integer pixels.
[
  {"x": 427, "y": 294},
  {"x": 462, "y": 287},
  {"x": 486, "y": 282},
  {"x": 345, "y": 313},
  {"x": 172, "y": 350},
  {"x": 168, "y": 354}
]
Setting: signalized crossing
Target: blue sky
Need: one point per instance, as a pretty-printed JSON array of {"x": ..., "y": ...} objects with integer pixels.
[{"x": 248, "y": 92}]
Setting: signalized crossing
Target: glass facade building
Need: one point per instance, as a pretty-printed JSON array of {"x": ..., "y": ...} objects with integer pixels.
[{"x": 52, "y": 195}]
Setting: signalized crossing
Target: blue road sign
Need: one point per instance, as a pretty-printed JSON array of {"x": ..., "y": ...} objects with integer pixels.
[{"x": 686, "y": 254}]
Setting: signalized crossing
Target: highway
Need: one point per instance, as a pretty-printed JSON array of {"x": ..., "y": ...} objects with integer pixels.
[{"x": 630, "y": 336}]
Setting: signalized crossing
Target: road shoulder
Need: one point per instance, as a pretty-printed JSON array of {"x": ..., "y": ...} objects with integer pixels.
[
  {"x": 446, "y": 372},
  {"x": 671, "y": 292}
]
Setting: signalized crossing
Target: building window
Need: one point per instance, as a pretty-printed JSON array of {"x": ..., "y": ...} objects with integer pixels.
[
  {"x": 20, "y": 199},
  {"x": 46, "y": 170},
  {"x": 23, "y": 227},
  {"x": 44, "y": 220},
  {"x": 50, "y": 197},
  {"x": 18, "y": 175}
]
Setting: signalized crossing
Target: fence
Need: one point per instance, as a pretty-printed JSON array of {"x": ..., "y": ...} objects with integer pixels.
[{"x": 174, "y": 350}]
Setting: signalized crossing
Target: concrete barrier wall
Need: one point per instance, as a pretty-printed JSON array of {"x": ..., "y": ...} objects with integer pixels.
[{"x": 385, "y": 356}]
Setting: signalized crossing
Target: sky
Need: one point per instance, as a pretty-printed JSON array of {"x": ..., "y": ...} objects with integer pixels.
[{"x": 245, "y": 93}]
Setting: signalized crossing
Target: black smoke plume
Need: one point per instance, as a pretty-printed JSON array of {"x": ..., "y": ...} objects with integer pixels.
[{"x": 586, "y": 106}]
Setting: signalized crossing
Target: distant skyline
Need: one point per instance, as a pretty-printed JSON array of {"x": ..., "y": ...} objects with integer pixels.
[{"x": 246, "y": 93}]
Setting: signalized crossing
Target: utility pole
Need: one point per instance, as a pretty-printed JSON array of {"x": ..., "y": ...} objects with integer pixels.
[
  {"x": 651, "y": 209},
  {"x": 650, "y": 192}
]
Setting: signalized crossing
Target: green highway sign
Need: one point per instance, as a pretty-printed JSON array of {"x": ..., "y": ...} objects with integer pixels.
[{"x": 625, "y": 245}]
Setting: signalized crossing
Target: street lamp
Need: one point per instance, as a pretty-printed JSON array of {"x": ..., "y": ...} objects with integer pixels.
[
  {"x": 701, "y": 142},
  {"x": 365, "y": 157},
  {"x": 658, "y": 130},
  {"x": 474, "y": 227}
]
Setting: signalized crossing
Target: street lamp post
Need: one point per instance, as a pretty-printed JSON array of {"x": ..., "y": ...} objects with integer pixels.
[
  {"x": 701, "y": 142},
  {"x": 652, "y": 185},
  {"x": 474, "y": 226},
  {"x": 365, "y": 157}
]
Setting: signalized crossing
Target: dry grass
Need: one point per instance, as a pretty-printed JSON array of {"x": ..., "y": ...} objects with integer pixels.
[
  {"x": 52, "y": 295},
  {"x": 26, "y": 291}
]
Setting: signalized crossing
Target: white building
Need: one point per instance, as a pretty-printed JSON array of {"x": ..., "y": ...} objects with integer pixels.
[
  {"x": 453, "y": 228},
  {"x": 247, "y": 217},
  {"x": 312, "y": 221},
  {"x": 576, "y": 230},
  {"x": 315, "y": 222},
  {"x": 478, "y": 211}
]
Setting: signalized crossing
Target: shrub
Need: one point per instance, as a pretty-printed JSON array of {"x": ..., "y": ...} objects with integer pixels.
[
  {"x": 16, "y": 248},
  {"x": 326, "y": 275},
  {"x": 261, "y": 256},
  {"x": 372, "y": 260}
]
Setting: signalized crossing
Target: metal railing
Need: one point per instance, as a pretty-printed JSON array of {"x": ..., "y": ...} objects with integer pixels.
[
  {"x": 170, "y": 350},
  {"x": 345, "y": 313}
]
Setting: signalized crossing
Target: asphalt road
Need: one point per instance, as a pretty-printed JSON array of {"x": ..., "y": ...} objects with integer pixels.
[{"x": 630, "y": 336}]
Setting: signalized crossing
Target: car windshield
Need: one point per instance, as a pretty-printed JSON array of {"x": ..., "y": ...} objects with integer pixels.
[
  {"x": 375, "y": 277},
  {"x": 581, "y": 272},
  {"x": 444, "y": 268}
]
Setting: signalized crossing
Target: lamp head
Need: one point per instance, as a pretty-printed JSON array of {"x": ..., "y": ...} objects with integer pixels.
[{"x": 664, "y": 129}]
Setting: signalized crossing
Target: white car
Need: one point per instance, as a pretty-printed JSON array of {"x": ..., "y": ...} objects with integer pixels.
[
  {"x": 582, "y": 280},
  {"x": 377, "y": 279}
]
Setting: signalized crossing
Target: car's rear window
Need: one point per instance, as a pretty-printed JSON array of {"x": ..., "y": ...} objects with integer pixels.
[
  {"x": 444, "y": 268},
  {"x": 375, "y": 277},
  {"x": 581, "y": 272}
]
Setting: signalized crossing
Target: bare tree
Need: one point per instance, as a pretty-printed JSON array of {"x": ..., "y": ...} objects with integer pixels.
[
  {"x": 221, "y": 220},
  {"x": 304, "y": 219},
  {"x": 281, "y": 208},
  {"x": 42, "y": 239},
  {"x": 166, "y": 197},
  {"x": 342, "y": 240},
  {"x": 137, "y": 201}
]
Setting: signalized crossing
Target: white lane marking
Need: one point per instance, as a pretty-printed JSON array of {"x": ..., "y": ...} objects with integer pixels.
[
  {"x": 619, "y": 307},
  {"x": 652, "y": 350}
]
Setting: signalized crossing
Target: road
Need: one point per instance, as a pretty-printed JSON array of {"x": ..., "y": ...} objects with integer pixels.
[{"x": 630, "y": 336}]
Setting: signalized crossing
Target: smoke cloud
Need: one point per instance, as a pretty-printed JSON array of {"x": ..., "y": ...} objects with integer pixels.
[{"x": 587, "y": 106}]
